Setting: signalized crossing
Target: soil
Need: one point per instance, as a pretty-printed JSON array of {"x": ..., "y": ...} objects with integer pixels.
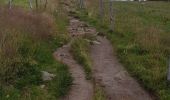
[
  {"x": 81, "y": 89},
  {"x": 110, "y": 74}
]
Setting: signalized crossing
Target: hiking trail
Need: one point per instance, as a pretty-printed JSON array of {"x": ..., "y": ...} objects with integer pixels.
[
  {"x": 107, "y": 71},
  {"x": 111, "y": 75}
]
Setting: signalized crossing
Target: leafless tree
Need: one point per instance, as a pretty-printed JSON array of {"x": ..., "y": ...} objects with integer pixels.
[
  {"x": 10, "y": 3},
  {"x": 36, "y": 3},
  {"x": 45, "y": 6},
  {"x": 30, "y": 2},
  {"x": 111, "y": 15},
  {"x": 81, "y": 2},
  {"x": 101, "y": 8}
]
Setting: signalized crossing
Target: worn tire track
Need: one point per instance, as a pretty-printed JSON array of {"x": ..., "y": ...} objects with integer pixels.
[
  {"x": 111, "y": 75},
  {"x": 81, "y": 89}
]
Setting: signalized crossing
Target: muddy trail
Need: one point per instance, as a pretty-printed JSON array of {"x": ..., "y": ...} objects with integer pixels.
[
  {"x": 81, "y": 89},
  {"x": 107, "y": 71},
  {"x": 111, "y": 75}
]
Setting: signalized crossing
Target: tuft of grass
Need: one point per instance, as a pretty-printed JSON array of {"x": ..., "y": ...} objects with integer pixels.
[
  {"x": 80, "y": 51},
  {"x": 99, "y": 93},
  {"x": 62, "y": 82}
]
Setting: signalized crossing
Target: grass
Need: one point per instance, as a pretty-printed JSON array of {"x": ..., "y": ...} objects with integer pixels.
[
  {"x": 21, "y": 3},
  {"x": 99, "y": 93},
  {"x": 25, "y": 3},
  {"x": 141, "y": 36},
  {"x": 27, "y": 42},
  {"x": 80, "y": 50}
]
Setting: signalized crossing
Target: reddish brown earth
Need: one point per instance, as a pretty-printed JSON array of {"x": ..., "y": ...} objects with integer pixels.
[
  {"x": 81, "y": 89},
  {"x": 110, "y": 74}
]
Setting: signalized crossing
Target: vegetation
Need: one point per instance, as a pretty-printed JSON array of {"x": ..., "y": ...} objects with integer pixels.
[
  {"x": 80, "y": 50},
  {"x": 27, "y": 42},
  {"x": 141, "y": 35},
  {"x": 28, "y": 39},
  {"x": 99, "y": 93}
]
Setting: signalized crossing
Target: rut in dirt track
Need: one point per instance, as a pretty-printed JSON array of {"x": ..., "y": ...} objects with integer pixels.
[
  {"x": 111, "y": 75},
  {"x": 81, "y": 89}
]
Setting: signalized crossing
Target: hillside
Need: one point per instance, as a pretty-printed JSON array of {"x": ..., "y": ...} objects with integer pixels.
[{"x": 84, "y": 50}]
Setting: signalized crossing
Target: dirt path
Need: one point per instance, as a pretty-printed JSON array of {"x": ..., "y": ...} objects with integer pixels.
[
  {"x": 110, "y": 74},
  {"x": 82, "y": 89},
  {"x": 107, "y": 71}
]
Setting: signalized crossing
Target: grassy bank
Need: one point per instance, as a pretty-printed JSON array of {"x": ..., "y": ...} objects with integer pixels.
[
  {"x": 99, "y": 93},
  {"x": 27, "y": 42},
  {"x": 80, "y": 50},
  {"x": 141, "y": 37}
]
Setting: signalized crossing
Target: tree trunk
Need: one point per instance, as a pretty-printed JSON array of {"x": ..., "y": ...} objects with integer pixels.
[
  {"x": 36, "y": 3},
  {"x": 101, "y": 9},
  {"x": 45, "y": 6},
  {"x": 30, "y": 2},
  {"x": 10, "y": 4}
]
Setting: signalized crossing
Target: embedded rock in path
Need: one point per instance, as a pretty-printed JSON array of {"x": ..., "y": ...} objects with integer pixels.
[{"x": 96, "y": 42}]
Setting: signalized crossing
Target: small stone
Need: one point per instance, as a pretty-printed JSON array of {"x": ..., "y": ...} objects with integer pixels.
[
  {"x": 65, "y": 46},
  {"x": 101, "y": 34},
  {"x": 42, "y": 86},
  {"x": 96, "y": 42},
  {"x": 47, "y": 76},
  {"x": 62, "y": 55},
  {"x": 87, "y": 40},
  {"x": 7, "y": 96}
]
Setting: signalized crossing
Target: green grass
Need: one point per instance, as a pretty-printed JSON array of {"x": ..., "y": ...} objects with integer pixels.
[
  {"x": 21, "y": 3},
  {"x": 60, "y": 85},
  {"x": 99, "y": 93},
  {"x": 51, "y": 5},
  {"x": 141, "y": 36},
  {"x": 29, "y": 79},
  {"x": 27, "y": 44},
  {"x": 80, "y": 50}
]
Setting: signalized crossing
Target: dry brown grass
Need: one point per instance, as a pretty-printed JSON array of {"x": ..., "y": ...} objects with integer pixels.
[
  {"x": 149, "y": 38},
  {"x": 17, "y": 27},
  {"x": 38, "y": 24}
]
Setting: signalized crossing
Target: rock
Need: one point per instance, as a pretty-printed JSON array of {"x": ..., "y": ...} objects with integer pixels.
[
  {"x": 96, "y": 42},
  {"x": 101, "y": 34},
  {"x": 42, "y": 86},
  {"x": 7, "y": 96},
  {"x": 65, "y": 46},
  {"x": 47, "y": 76},
  {"x": 62, "y": 55},
  {"x": 87, "y": 40}
]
